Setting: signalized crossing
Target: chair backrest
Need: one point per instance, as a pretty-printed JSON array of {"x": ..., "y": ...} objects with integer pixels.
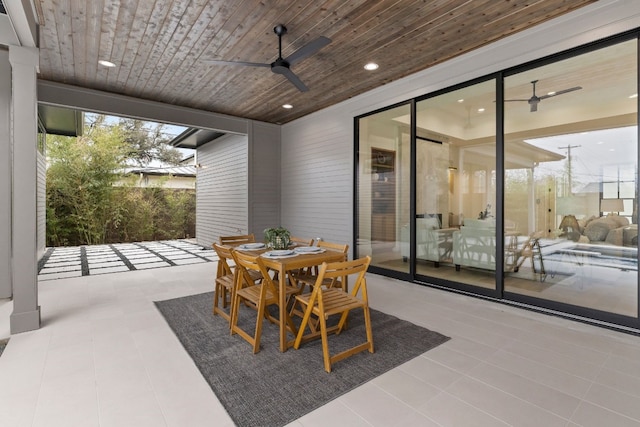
[
  {"x": 335, "y": 246},
  {"x": 335, "y": 272},
  {"x": 224, "y": 256},
  {"x": 301, "y": 241},
  {"x": 246, "y": 262},
  {"x": 236, "y": 240}
]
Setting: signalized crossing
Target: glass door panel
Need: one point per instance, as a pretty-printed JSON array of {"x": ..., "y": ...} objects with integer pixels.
[
  {"x": 571, "y": 181},
  {"x": 383, "y": 188},
  {"x": 456, "y": 186}
]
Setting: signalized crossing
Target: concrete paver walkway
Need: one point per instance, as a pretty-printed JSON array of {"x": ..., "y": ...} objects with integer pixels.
[{"x": 78, "y": 261}]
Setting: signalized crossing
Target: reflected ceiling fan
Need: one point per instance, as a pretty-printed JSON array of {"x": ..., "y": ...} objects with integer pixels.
[
  {"x": 283, "y": 65},
  {"x": 535, "y": 100}
]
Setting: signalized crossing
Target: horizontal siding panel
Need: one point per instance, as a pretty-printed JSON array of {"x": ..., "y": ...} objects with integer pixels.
[
  {"x": 317, "y": 178},
  {"x": 41, "y": 204},
  {"x": 222, "y": 189}
]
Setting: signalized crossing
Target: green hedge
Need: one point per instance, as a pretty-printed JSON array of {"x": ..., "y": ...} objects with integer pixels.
[{"x": 126, "y": 214}]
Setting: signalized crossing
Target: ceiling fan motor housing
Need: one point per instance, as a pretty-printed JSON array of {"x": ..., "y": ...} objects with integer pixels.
[{"x": 280, "y": 66}]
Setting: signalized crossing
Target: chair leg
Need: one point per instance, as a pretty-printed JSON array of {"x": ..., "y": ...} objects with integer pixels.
[
  {"x": 216, "y": 293},
  {"x": 325, "y": 344},
  {"x": 235, "y": 306},
  {"x": 258, "y": 332},
  {"x": 221, "y": 293},
  {"x": 303, "y": 325},
  {"x": 367, "y": 324}
]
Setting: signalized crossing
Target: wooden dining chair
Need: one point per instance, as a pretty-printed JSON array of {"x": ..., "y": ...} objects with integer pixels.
[
  {"x": 333, "y": 300},
  {"x": 225, "y": 281},
  {"x": 308, "y": 277},
  {"x": 298, "y": 241},
  {"x": 301, "y": 241},
  {"x": 237, "y": 240},
  {"x": 258, "y": 296}
]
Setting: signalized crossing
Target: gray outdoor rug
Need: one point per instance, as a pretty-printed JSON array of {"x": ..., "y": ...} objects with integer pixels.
[{"x": 273, "y": 388}]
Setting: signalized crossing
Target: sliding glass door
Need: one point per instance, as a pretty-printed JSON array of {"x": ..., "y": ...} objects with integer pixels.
[{"x": 521, "y": 186}]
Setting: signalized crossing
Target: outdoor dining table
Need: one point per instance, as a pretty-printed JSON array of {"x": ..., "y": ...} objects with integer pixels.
[{"x": 288, "y": 263}]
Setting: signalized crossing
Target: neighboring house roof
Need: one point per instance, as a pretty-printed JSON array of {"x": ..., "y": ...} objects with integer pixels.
[
  {"x": 189, "y": 160},
  {"x": 186, "y": 171}
]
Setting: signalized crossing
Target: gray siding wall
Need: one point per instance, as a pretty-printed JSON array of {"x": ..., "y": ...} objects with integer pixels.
[
  {"x": 222, "y": 192},
  {"x": 264, "y": 177},
  {"x": 41, "y": 204},
  {"x": 317, "y": 170},
  {"x": 318, "y": 149},
  {"x": 5, "y": 176}
]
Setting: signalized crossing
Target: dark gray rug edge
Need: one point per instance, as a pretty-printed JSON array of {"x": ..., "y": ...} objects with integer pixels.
[{"x": 190, "y": 344}]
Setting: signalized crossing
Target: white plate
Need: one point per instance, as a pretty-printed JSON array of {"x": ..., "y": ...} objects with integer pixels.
[
  {"x": 283, "y": 252},
  {"x": 266, "y": 255},
  {"x": 250, "y": 246},
  {"x": 309, "y": 250}
]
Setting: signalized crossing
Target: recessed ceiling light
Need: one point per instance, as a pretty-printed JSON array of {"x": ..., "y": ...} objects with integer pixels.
[
  {"x": 106, "y": 63},
  {"x": 461, "y": 100},
  {"x": 612, "y": 149},
  {"x": 600, "y": 142},
  {"x": 371, "y": 66},
  {"x": 635, "y": 95},
  {"x": 287, "y": 106},
  {"x": 480, "y": 110}
]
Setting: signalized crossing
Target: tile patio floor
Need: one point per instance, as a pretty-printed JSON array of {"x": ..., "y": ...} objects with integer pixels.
[{"x": 104, "y": 356}]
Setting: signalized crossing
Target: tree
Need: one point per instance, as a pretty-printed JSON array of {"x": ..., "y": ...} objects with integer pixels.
[
  {"x": 84, "y": 207},
  {"x": 80, "y": 176},
  {"x": 144, "y": 142}
]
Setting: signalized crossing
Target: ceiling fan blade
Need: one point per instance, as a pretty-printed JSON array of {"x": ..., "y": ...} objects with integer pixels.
[
  {"x": 509, "y": 100},
  {"x": 294, "y": 79},
  {"x": 561, "y": 92},
  {"x": 250, "y": 64},
  {"x": 308, "y": 50}
]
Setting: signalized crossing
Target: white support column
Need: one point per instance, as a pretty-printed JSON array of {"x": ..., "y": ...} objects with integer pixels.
[
  {"x": 24, "y": 121},
  {"x": 5, "y": 176}
]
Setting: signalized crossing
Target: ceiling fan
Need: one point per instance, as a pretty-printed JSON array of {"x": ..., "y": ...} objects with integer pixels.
[
  {"x": 283, "y": 65},
  {"x": 535, "y": 100}
]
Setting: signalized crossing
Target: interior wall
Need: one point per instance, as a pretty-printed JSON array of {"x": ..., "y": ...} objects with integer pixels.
[
  {"x": 5, "y": 176},
  {"x": 317, "y": 150}
]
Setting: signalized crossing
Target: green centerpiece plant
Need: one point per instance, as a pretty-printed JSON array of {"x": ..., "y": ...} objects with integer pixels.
[{"x": 277, "y": 237}]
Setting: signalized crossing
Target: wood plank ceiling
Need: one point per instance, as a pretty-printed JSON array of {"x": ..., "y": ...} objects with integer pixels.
[{"x": 160, "y": 46}]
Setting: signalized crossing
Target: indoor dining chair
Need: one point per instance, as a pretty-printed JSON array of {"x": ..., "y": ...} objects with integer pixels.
[
  {"x": 258, "y": 296},
  {"x": 325, "y": 301}
]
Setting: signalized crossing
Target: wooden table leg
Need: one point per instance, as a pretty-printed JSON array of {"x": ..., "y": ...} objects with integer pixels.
[{"x": 282, "y": 302}]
